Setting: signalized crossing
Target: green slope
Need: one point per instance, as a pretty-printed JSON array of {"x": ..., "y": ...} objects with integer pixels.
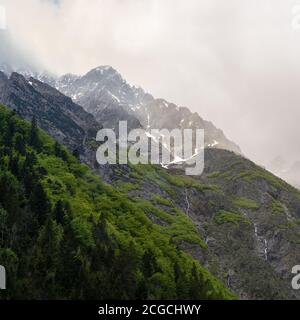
[{"x": 65, "y": 234}]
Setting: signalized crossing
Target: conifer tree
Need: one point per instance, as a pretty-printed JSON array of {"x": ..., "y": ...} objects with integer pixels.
[{"x": 34, "y": 139}]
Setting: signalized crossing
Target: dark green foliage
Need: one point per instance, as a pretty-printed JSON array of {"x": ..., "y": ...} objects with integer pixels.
[
  {"x": 64, "y": 234},
  {"x": 40, "y": 203},
  {"x": 34, "y": 139},
  {"x": 20, "y": 144},
  {"x": 59, "y": 151}
]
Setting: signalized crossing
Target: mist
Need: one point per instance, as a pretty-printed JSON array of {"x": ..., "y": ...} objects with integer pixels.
[{"x": 234, "y": 62}]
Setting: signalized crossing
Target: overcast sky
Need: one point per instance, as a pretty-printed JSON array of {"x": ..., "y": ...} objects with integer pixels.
[{"x": 236, "y": 62}]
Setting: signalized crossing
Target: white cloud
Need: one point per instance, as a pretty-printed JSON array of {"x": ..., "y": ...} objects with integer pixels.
[
  {"x": 2, "y": 18},
  {"x": 235, "y": 62}
]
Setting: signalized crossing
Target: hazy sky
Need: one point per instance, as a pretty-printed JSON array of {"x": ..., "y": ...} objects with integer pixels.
[{"x": 236, "y": 62}]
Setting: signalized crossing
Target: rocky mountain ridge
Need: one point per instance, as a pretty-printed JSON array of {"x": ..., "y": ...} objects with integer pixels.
[
  {"x": 57, "y": 114},
  {"x": 104, "y": 93}
]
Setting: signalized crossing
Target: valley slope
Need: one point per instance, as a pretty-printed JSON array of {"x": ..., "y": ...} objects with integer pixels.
[
  {"x": 67, "y": 235},
  {"x": 246, "y": 223}
]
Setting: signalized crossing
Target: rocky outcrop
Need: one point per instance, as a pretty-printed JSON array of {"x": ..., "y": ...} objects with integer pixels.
[
  {"x": 105, "y": 94},
  {"x": 57, "y": 114}
]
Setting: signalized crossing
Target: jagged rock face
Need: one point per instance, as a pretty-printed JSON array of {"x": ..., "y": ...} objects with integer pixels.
[
  {"x": 161, "y": 114},
  {"x": 102, "y": 82},
  {"x": 57, "y": 114},
  {"x": 105, "y": 94},
  {"x": 263, "y": 251}
]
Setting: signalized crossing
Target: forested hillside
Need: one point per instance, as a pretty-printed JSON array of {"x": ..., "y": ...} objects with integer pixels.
[{"x": 66, "y": 234}]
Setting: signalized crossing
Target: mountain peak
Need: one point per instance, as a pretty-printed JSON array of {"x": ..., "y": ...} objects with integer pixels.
[
  {"x": 103, "y": 71},
  {"x": 105, "y": 68},
  {"x": 103, "y": 91},
  {"x": 103, "y": 88}
]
